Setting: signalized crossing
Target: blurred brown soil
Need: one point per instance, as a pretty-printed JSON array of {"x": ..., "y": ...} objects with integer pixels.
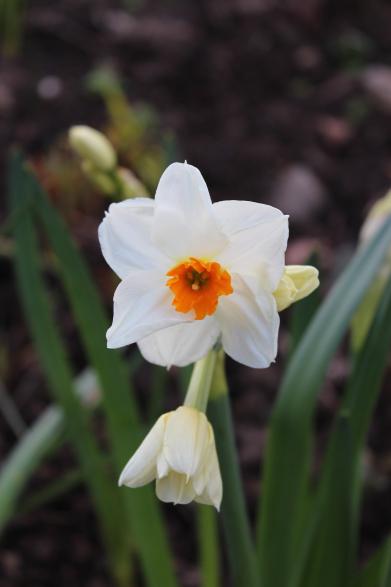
[{"x": 285, "y": 103}]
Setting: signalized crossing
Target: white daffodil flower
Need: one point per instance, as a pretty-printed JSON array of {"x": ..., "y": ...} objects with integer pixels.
[
  {"x": 194, "y": 272},
  {"x": 180, "y": 453}
]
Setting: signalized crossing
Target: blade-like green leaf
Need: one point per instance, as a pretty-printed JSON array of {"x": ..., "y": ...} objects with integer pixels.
[
  {"x": 124, "y": 427},
  {"x": 39, "y": 442},
  {"x": 54, "y": 361},
  {"x": 51, "y": 491},
  {"x": 24, "y": 459},
  {"x": 287, "y": 462},
  {"x": 330, "y": 560},
  {"x": 360, "y": 399},
  {"x": 377, "y": 572}
]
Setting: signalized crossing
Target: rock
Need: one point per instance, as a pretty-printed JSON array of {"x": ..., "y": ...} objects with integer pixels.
[
  {"x": 299, "y": 193},
  {"x": 376, "y": 80}
]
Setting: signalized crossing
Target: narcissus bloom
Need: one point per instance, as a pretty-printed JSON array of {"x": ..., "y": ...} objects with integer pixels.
[
  {"x": 194, "y": 272},
  {"x": 180, "y": 453}
]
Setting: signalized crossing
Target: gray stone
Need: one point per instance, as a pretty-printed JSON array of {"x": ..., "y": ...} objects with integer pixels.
[{"x": 299, "y": 193}]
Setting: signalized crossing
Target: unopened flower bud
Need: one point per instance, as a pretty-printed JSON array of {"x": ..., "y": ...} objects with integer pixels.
[
  {"x": 93, "y": 147},
  {"x": 297, "y": 282},
  {"x": 180, "y": 453}
]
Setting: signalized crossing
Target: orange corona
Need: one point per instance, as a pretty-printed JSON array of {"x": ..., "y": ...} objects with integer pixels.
[{"x": 197, "y": 285}]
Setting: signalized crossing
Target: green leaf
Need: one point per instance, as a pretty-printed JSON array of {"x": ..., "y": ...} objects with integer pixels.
[
  {"x": 359, "y": 401},
  {"x": 287, "y": 462},
  {"x": 123, "y": 421},
  {"x": 51, "y": 491},
  {"x": 54, "y": 361},
  {"x": 377, "y": 572},
  {"x": 330, "y": 559},
  {"x": 32, "y": 447},
  {"x": 43, "y": 437}
]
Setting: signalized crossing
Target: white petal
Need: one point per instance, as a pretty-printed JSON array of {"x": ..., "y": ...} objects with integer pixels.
[
  {"x": 125, "y": 237},
  {"x": 142, "y": 305},
  {"x": 200, "y": 479},
  {"x": 181, "y": 344},
  {"x": 162, "y": 466},
  {"x": 249, "y": 324},
  {"x": 141, "y": 468},
  {"x": 186, "y": 440},
  {"x": 236, "y": 215},
  {"x": 184, "y": 223},
  {"x": 175, "y": 489},
  {"x": 213, "y": 492},
  {"x": 258, "y": 237}
]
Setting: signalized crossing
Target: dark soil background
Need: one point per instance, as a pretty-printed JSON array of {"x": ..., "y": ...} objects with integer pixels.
[{"x": 287, "y": 103}]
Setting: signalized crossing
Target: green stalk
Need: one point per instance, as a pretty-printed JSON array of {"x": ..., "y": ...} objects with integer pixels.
[
  {"x": 200, "y": 382},
  {"x": 233, "y": 510},
  {"x": 208, "y": 546}
]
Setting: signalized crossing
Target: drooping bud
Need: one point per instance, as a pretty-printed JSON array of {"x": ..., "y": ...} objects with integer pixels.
[
  {"x": 180, "y": 453},
  {"x": 93, "y": 147},
  {"x": 297, "y": 282}
]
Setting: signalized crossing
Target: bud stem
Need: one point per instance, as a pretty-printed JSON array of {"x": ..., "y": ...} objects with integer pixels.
[
  {"x": 201, "y": 379},
  {"x": 240, "y": 547}
]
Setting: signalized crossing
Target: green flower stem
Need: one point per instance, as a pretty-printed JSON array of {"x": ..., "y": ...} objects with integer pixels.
[
  {"x": 233, "y": 510},
  {"x": 200, "y": 382},
  {"x": 208, "y": 546}
]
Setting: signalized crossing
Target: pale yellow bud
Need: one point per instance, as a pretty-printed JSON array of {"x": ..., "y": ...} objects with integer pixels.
[
  {"x": 297, "y": 282},
  {"x": 93, "y": 147},
  {"x": 285, "y": 293}
]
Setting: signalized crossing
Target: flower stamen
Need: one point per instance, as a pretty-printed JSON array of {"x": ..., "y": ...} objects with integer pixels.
[{"x": 197, "y": 285}]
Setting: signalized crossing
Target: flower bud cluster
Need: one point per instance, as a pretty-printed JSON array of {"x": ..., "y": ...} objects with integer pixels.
[{"x": 99, "y": 163}]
